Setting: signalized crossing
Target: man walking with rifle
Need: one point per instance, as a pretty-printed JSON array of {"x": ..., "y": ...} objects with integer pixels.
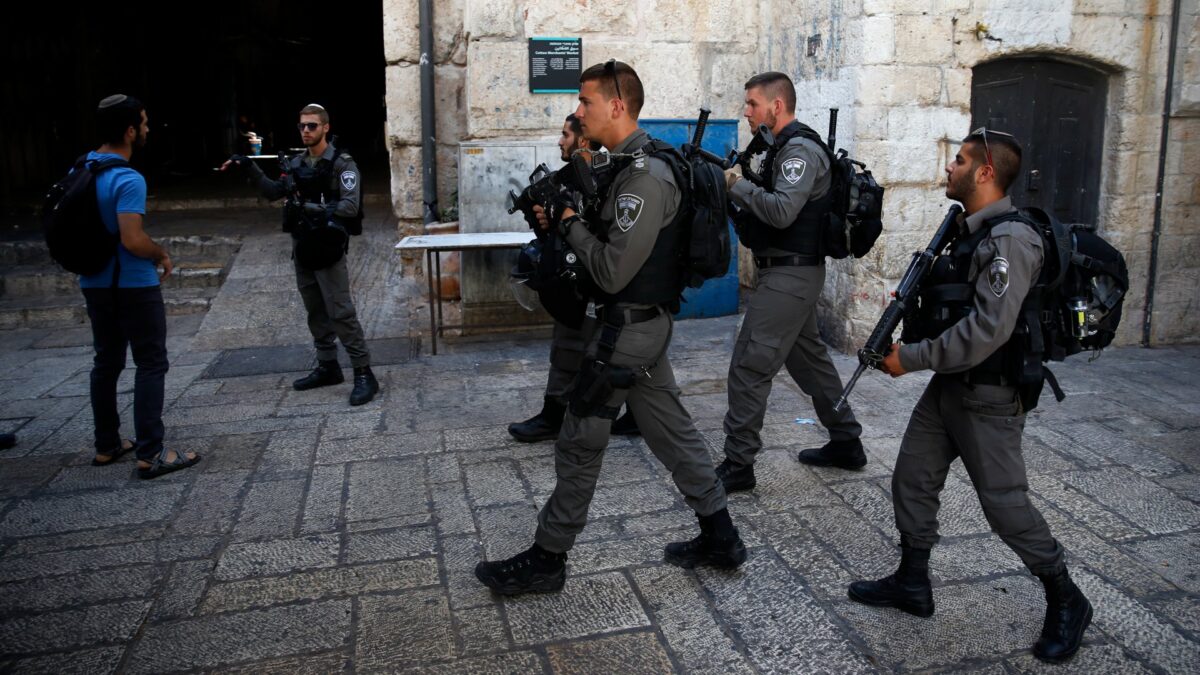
[
  {"x": 782, "y": 211},
  {"x": 966, "y": 331},
  {"x": 631, "y": 255}
]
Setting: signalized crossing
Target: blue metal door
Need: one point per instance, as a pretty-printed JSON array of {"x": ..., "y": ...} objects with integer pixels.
[{"x": 717, "y": 297}]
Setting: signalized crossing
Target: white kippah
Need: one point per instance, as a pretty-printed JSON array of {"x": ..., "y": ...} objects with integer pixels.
[
  {"x": 110, "y": 101},
  {"x": 315, "y": 105}
]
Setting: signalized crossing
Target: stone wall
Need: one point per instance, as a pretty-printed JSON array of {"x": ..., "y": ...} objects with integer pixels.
[
  {"x": 903, "y": 68},
  {"x": 1177, "y": 291},
  {"x": 900, "y": 72},
  {"x": 685, "y": 50}
]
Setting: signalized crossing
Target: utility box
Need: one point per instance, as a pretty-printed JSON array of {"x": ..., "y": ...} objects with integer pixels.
[{"x": 487, "y": 170}]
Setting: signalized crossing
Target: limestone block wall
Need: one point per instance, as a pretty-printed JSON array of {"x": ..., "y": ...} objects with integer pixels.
[
  {"x": 684, "y": 50},
  {"x": 899, "y": 70},
  {"x": 1177, "y": 291},
  {"x": 403, "y": 98}
]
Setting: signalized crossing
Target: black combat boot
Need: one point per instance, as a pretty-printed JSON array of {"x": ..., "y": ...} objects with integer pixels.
[
  {"x": 535, "y": 570},
  {"x": 718, "y": 545},
  {"x": 626, "y": 425},
  {"x": 543, "y": 426},
  {"x": 1068, "y": 614},
  {"x": 736, "y": 478},
  {"x": 365, "y": 386},
  {"x": 908, "y": 589},
  {"x": 325, "y": 374},
  {"x": 842, "y": 454}
]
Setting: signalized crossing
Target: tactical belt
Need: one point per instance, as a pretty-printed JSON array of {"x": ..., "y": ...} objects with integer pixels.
[
  {"x": 764, "y": 262},
  {"x": 983, "y": 377},
  {"x": 629, "y": 315}
]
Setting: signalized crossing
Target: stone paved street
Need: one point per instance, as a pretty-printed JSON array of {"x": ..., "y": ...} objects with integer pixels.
[{"x": 316, "y": 538}]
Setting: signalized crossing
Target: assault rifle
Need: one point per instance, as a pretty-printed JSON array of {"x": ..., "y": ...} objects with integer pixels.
[
  {"x": 762, "y": 140},
  {"x": 903, "y": 301},
  {"x": 580, "y": 175},
  {"x": 692, "y": 149}
]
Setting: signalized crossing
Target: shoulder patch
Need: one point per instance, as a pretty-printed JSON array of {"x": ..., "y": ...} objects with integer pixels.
[
  {"x": 998, "y": 276},
  {"x": 629, "y": 208},
  {"x": 349, "y": 180},
  {"x": 793, "y": 170}
]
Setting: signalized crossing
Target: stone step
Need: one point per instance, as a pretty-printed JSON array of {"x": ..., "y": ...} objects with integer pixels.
[
  {"x": 19, "y": 281},
  {"x": 195, "y": 248},
  {"x": 375, "y": 201},
  {"x": 53, "y": 311}
]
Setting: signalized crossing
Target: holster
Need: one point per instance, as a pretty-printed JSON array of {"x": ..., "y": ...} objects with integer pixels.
[
  {"x": 293, "y": 215},
  {"x": 599, "y": 378}
]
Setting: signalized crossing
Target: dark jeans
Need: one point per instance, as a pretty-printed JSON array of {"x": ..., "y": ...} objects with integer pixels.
[{"x": 121, "y": 319}]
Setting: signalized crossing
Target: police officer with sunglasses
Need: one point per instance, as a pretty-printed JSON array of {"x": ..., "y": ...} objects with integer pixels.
[
  {"x": 324, "y": 206},
  {"x": 968, "y": 331}
]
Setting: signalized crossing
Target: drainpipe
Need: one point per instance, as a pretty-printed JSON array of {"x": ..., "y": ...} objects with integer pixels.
[
  {"x": 428, "y": 130},
  {"x": 1162, "y": 175}
]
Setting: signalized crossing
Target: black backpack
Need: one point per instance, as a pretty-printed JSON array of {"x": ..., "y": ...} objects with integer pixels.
[
  {"x": 705, "y": 247},
  {"x": 856, "y": 216},
  {"x": 1076, "y": 302},
  {"x": 75, "y": 234},
  {"x": 1082, "y": 286}
]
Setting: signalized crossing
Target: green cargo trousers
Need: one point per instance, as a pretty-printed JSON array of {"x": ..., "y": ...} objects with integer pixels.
[
  {"x": 566, "y": 354},
  {"x": 982, "y": 425},
  {"x": 668, "y": 430},
  {"x": 331, "y": 313},
  {"x": 780, "y": 330}
]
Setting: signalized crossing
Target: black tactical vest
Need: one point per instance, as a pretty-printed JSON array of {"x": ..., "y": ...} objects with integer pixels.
[
  {"x": 659, "y": 280},
  {"x": 947, "y": 296},
  {"x": 315, "y": 183},
  {"x": 803, "y": 236}
]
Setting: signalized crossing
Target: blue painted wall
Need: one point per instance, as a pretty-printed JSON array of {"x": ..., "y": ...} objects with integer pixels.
[{"x": 717, "y": 297}]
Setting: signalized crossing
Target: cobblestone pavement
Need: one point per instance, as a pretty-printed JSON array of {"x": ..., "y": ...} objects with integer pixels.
[{"x": 317, "y": 538}]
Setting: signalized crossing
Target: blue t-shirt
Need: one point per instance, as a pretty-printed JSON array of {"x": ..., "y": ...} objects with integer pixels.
[{"x": 121, "y": 190}]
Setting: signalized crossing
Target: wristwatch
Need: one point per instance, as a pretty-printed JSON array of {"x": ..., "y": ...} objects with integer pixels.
[{"x": 564, "y": 225}]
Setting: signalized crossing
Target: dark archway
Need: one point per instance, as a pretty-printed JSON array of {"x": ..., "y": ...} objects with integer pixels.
[
  {"x": 199, "y": 67},
  {"x": 1057, "y": 110}
]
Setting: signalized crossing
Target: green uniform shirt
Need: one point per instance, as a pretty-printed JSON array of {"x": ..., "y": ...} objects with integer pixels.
[
  {"x": 1004, "y": 267},
  {"x": 642, "y": 201}
]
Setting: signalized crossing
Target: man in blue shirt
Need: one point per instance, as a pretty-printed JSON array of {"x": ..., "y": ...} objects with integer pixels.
[{"x": 124, "y": 301}]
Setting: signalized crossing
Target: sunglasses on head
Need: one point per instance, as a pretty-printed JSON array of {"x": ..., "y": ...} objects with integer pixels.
[
  {"x": 987, "y": 151},
  {"x": 308, "y": 126},
  {"x": 610, "y": 67}
]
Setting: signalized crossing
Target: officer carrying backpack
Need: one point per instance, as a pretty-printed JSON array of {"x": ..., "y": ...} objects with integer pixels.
[
  {"x": 856, "y": 220},
  {"x": 705, "y": 247},
  {"x": 1076, "y": 302},
  {"x": 856, "y": 215},
  {"x": 75, "y": 234}
]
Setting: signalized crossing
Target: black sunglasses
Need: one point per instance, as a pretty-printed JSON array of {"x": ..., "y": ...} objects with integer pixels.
[
  {"x": 308, "y": 126},
  {"x": 987, "y": 151},
  {"x": 610, "y": 67}
]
